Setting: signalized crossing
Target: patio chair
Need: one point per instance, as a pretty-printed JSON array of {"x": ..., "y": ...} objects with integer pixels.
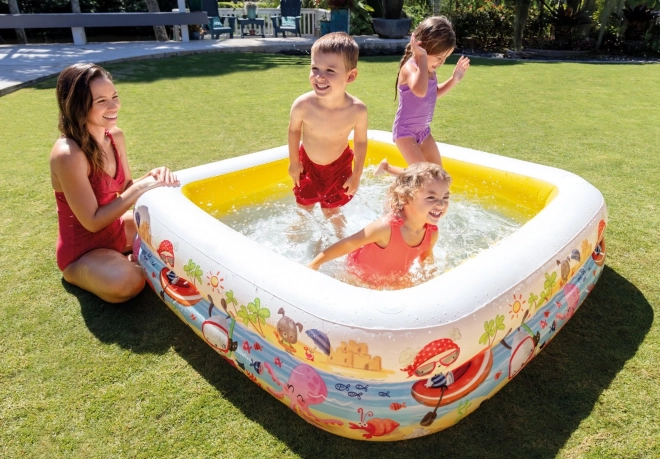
[
  {"x": 289, "y": 18},
  {"x": 216, "y": 26}
]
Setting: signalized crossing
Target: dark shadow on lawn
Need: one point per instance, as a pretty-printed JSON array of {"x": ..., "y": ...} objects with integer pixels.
[
  {"x": 532, "y": 416},
  {"x": 225, "y": 63},
  {"x": 196, "y": 65}
]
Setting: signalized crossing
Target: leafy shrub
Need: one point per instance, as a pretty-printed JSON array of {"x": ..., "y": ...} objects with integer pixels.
[
  {"x": 361, "y": 19},
  {"x": 490, "y": 24}
]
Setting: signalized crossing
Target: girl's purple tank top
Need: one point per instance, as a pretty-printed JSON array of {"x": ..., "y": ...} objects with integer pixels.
[{"x": 414, "y": 113}]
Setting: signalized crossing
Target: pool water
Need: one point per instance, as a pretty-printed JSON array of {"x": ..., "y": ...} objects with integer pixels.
[{"x": 281, "y": 226}]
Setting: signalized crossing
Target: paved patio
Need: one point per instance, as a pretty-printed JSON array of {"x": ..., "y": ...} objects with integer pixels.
[{"x": 22, "y": 65}]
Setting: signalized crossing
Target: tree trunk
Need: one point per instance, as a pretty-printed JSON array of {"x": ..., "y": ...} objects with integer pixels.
[
  {"x": 522, "y": 12},
  {"x": 20, "y": 33},
  {"x": 610, "y": 5},
  {"x": 161, "y": 34}
]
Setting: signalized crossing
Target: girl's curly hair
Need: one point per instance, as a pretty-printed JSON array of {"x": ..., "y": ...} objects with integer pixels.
[{"x": 411, "y": 180}]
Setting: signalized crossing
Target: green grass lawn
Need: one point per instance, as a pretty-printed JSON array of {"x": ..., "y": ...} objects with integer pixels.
[{"x": 80, "y": 378}]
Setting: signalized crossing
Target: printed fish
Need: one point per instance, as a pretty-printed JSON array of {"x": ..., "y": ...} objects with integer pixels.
[
  {"x": 356, "y": 395},
  {"x": 384, "y": 394},
  {"x": 257, "y": 367},
  {"x": 257, "y": 346},
  {"x": 544, "y": 324},
  {"x": 246, "y": 346},
  {"x": 394, "y": 406},
  {"x": 277, "y": 362},
  {"x": 340, "y": 386},
  {"x": 361, "y": 387}
]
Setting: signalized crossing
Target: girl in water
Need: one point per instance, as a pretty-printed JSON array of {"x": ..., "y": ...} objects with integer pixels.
[
  {"x": 94, "y": 190},
  {"x": 430, "y": 45},
  {"x": 383, "y": 252}
]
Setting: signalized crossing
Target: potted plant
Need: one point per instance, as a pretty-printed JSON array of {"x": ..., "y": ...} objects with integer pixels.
[
  {"x": 195, "y": 31},
  {"x": 250, "y": 9},
  {"x": 323, "y": 27},
  {"x": 340, "y": 15},
  {"x": 392, "y": 24}
]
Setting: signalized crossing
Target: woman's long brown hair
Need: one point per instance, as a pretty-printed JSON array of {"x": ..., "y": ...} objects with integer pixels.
[
  {"x": 436, "y": 36},
  {"x": 74, "y": 99}
]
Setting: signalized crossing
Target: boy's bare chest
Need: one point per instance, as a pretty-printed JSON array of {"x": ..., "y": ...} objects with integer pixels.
[{"x": 329, "y": 120}]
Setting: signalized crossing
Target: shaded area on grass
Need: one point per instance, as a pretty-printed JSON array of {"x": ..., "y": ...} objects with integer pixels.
[
  {"x": 197, "y": 65},
  {"x": 225, "y": 63},
  {"x": 533, "y": 416}
]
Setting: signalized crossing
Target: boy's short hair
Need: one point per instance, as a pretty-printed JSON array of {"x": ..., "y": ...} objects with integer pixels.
[{"x": 339, "y": 43}]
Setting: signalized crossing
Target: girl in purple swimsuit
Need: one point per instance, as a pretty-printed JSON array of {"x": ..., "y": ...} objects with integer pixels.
[{"x": 430, "y": 44}]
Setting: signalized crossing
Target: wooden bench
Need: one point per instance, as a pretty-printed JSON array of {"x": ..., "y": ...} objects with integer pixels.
[{"x": 78, "y": 21}]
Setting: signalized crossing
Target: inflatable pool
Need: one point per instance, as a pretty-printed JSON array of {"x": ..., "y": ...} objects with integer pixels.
[{"x": 371, "y": 364}]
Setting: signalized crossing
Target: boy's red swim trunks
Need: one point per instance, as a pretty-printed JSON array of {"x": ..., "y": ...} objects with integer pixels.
[{"x": 323, "y": 184}]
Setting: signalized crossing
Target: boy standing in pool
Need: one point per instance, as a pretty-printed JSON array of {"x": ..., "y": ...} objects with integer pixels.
[{"x": 323, "y": 167}]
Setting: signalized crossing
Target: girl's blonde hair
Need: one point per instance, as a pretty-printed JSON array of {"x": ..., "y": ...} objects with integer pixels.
[
  {"x": 436, "y": 36},
  {"x": 411, "y": 180},
  {"x": 74, "y": 99}
]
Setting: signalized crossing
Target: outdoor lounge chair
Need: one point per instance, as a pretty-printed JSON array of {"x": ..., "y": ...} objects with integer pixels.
[
  {"x": 289, "y": 18},
  {"x": 216, "y": 25}
]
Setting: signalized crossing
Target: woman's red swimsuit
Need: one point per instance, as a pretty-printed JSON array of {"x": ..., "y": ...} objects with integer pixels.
[{"x": 73, "y": 239}]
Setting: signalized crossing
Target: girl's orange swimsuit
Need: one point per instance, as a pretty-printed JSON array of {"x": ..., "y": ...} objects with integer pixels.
[
  {"x": 372, "y": 262},
  {"x": 73, "y": 239}
]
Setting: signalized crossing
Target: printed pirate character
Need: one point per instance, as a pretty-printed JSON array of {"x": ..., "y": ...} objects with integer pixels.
[{"x": 442, "y": 351}]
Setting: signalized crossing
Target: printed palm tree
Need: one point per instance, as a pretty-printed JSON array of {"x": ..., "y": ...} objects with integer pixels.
[
  {"x": 254, "y": 314},
  {"x": 491, "y": 327},
  {"x": 193, "y": 271},
  {"x": 230, "y": 298},
  {"x": 532, "y": 300},
  {"x": 550, "y": 281}
]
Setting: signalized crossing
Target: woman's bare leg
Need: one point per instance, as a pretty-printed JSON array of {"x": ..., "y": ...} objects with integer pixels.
[
  {"x": 107, "y": 274},
  {"x": 130, "y": 230}
]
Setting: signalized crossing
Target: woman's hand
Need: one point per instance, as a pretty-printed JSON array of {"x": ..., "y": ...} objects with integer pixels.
[{"x": 164, "y": 176}]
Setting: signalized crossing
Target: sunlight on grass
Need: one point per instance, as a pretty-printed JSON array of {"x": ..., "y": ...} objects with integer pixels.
[{"x": 80, "y": 378}]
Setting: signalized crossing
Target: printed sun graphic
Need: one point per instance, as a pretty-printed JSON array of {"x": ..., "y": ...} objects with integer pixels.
[
  {"x": 517, "y": 305},
  {"x": 214, "y": 281}
]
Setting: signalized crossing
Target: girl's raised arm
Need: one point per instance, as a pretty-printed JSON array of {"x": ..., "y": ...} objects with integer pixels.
[{"x": 416, "y": 76}]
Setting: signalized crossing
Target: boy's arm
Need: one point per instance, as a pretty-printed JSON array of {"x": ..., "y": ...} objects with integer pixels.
[
  {"x": 459, "y": 72},
  {"x": 376, "y": 231},
  {"x": 294, "y": 136},
  {"x": 359, "y": 150}
]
